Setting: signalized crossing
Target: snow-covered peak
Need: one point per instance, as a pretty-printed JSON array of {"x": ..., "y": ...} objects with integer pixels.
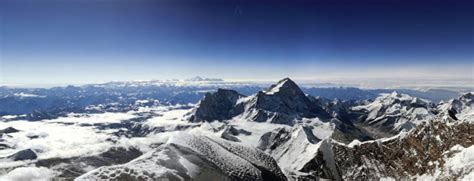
[
  {"x": 395, "y": 112},
  {"x": 200, "y": 79},
  {"x": 282, "y": 103},
  {"x": 197, "y": 78},
  {"x": 397, "y": 96},
  {"x": 25, "y": 95},
  {"x": 405, "y": 156},
  {"x": 391, "y": 103},
  {"x": 295, "y": 147},
  {"x": 285, "y": 85},
  {"x": 461, "y": 108}
]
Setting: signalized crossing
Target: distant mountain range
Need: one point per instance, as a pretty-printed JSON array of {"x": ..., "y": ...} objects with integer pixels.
[{"x": 59, "y": 100}]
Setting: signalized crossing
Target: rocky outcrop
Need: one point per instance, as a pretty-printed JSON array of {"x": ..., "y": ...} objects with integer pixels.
[
  {"x": 271, "y": 140},
  {"x": 459, "y": 109},
  {"x": 27, "y": 154},
  {"x": 424, "y": 150},
  {"x": 217, "y": 106},
  {"x": 231, "y": 132},
  {"x": 419, "y": 152},
  {"x": 8, "y": 130}
]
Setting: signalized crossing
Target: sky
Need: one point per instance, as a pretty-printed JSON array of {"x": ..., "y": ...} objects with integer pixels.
[{"x": 87, "y": 41}]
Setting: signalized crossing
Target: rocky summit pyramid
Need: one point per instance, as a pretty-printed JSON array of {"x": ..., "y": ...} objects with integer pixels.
[{"x": 282, "y": 103}]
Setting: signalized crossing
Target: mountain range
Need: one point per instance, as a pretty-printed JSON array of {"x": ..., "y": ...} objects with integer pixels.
[
  {"x": 41, "y": 103},
  {"x": 278, "y": 133}
]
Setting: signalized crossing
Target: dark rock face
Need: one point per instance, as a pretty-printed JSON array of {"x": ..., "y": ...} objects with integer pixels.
[
  {"x": 397, "y": 158},
  {"x": 345, "y": 132},
  {"x": 8, "y": 130},
  {"x": 269, "y": 141},
  {"x": 230, "y": 132},
  {"x": 129, "y": 128},
  {"x": 457, "y": 105},
  {"x": 217, "y": 106},
  {"x": 4, "y": 146},
  {"x": 27, "y": 154}
]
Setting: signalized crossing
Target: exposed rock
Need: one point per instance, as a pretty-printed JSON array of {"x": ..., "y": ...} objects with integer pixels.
[
  {"x": 36, "y": 135},
  {"x": 271, "y": 140},
  {"x": 345, "y": 132},
  {"x": 220, "y": 105},
  {"x": 419, "y": 152},
  {"x": 422, "y": 151},
  {"x": 8, "y": 130},
  {"x": 461, "y": 108},
  {"x": 27, "y": 154},
  {"x": 4, "y": 146},
  {"x": 231, "y": 132}
]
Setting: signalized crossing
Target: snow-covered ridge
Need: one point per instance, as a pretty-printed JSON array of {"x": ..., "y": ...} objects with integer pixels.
[
  {"x": 22, "y": 95},
  {"x": 461, "y": 108},
  {"x": 396, "y": 112},
  {"x": 297, "y": 146},
  {"x": 403, "y": 156},
  {"x": 187, "y": 157},
  {"x": 284, "y": 83}
]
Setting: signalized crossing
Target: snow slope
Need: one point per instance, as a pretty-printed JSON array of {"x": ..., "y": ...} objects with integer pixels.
[
  {"x": 187, "y": 156},
  {"x": 295, "y": 147}
]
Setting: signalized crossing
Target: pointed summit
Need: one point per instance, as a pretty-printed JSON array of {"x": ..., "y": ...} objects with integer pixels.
[
  {"x": 197, "y": 78},
  {"x": 284, "y": 86},
  {"x": 282, "y": 103}
]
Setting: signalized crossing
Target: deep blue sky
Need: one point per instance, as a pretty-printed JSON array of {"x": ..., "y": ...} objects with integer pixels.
[{"x": 78, "y": 41}]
